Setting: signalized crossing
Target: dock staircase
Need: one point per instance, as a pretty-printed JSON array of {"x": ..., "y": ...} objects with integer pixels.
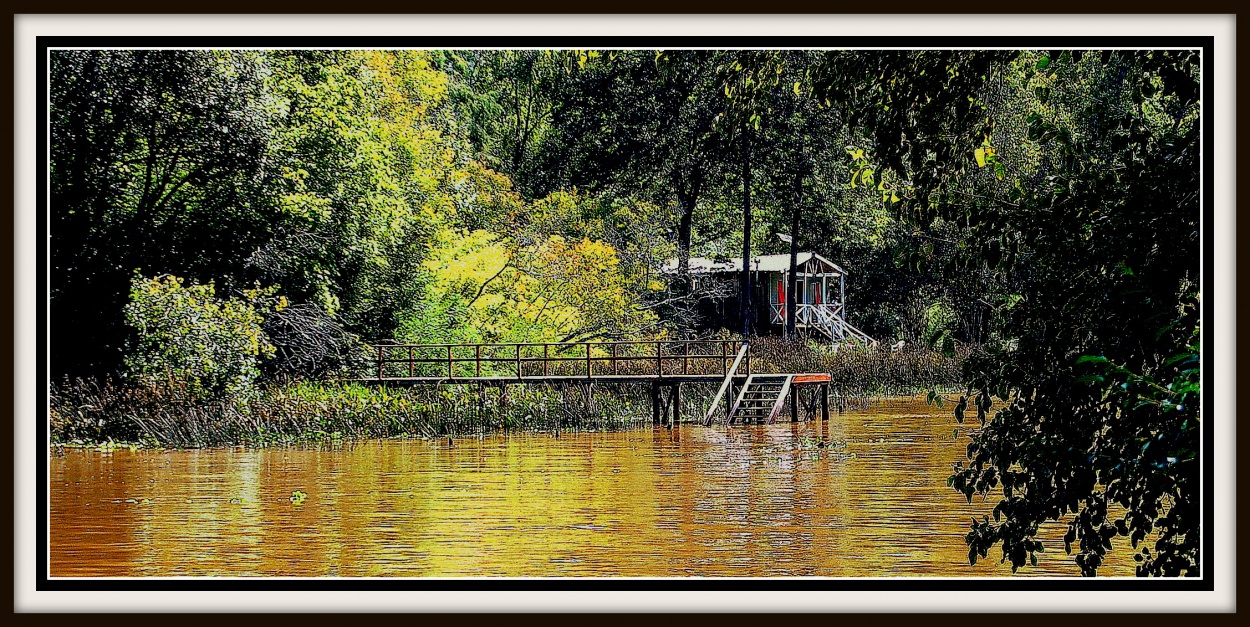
[{"x": 761, "y": 398}]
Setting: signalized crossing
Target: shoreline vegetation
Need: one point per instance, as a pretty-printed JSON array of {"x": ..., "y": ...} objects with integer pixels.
[{"x": 90, "y": 412}]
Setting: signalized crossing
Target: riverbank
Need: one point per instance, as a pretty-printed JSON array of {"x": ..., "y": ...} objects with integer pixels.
[{"x": 93, "y": 413}]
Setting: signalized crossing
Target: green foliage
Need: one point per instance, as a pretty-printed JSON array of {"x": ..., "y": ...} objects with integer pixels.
[
  {"x": 503, "y": 102},
  {"x": 939, "y": 323},
  {"x": 1055, "y": 196},
  {"x": 159, "y": 160},
  {"x": 640, "y": 126},
  {"x": 366, "y": 178},
  {"x": 1083, "y": 196},
  {"x": 344, "y": 177},
  {"x": 187, "y": 338}
]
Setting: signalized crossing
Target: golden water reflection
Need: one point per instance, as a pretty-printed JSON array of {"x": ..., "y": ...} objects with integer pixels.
[{"x": 758, "y": 501}]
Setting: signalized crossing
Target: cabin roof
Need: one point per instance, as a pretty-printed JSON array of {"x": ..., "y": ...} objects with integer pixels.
[{"x": 761, "y": 263}]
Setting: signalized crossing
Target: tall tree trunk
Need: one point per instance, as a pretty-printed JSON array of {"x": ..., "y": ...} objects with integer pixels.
[
  {"x": 683, "y": 246},
  {"x": 687, "y": 197},
  {"x": 689, "y": 184},
  {"x": 792, "y": 296},
  {"x": 745, "y": 280}
]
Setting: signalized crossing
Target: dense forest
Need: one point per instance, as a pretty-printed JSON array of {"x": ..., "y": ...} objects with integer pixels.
[{"x": 225, "y": 219}]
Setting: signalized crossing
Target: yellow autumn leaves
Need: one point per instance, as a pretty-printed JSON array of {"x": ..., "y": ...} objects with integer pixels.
[{"x": 555, "y": 289}]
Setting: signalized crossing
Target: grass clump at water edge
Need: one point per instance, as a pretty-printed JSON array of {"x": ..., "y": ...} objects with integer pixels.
[{"x": 89, "y": 411}]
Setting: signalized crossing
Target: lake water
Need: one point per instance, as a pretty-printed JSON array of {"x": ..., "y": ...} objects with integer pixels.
[{"x": 694, "y": 501}]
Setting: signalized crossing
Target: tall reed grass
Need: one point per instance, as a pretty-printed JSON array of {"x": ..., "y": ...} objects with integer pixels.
[
  {"x": 91, "y": 411},
  {"x": 857, "y": 374}
]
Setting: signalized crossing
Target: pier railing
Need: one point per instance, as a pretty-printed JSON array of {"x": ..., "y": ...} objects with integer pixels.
[{"x": 588, "y": 360}]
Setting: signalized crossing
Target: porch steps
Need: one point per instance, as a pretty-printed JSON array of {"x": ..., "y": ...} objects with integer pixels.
[
  {"x": 836, "y": 328},
  {"x": 829, "y": 321}
]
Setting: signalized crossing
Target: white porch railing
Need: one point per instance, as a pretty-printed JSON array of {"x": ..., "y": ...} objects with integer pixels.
[{"x": 827, "y": 318}]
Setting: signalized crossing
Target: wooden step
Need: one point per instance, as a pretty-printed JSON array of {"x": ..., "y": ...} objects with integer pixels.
[{"x": 761, "y": 396}]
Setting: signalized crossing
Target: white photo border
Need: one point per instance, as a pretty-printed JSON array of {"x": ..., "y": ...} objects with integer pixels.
[{"x": 1219, "y": 357}]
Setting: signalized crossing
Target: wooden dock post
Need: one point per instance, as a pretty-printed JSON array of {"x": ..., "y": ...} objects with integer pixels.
[
  {"x": 676, "y": 404},
  {"x": 824, "y": 402},
  {"x": 794, "y": 403},
  {"x": 655, "y": 404}
]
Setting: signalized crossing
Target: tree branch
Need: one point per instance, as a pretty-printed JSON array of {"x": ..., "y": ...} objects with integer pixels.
[{"x": 482, "y": 289}]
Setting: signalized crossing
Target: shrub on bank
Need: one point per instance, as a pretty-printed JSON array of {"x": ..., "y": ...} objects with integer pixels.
[{"x": 189, "y": 341}]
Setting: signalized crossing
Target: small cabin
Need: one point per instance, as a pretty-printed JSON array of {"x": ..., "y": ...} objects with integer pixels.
[{"x": 821, "y": 290}]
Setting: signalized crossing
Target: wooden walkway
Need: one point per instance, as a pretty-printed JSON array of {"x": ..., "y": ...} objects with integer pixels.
[{"x": 666, "y": 365}]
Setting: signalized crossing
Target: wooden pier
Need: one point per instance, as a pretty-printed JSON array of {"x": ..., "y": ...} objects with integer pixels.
[{"x": 665, "y": 365}]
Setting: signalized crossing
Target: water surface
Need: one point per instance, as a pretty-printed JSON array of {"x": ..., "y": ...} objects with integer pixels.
[{"x": 695, "y": 501}]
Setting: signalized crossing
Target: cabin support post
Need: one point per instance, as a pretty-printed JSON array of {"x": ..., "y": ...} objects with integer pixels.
[
  {"x": 730, "y": 395},
  {"x": 842, "y": 290}
]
